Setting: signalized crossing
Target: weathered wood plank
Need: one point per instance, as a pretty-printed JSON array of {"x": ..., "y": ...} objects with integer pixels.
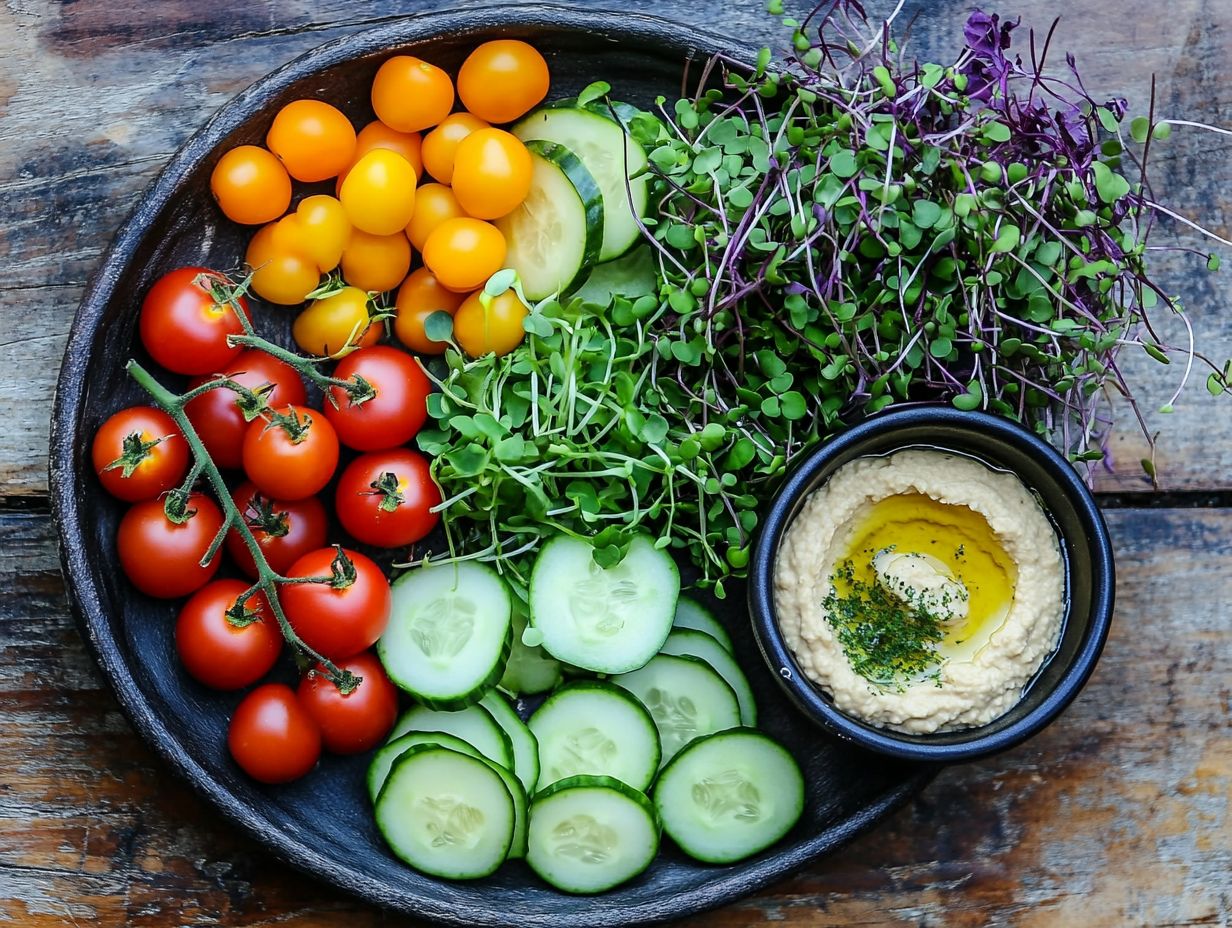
[
  {"x": 1117, "y": 815},
  {"x": 93, "y": 100}
]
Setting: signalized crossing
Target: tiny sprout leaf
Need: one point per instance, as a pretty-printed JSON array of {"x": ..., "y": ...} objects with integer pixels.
[
  {"x": 1214, "y": 385},
  {"x": 438, "y": 327},
  {"x": 1162, "y": 131},
  {"x": 501, "y": 281},
  {"x": 593, "y": 92},
  {"x": 1213, "y": 262},
  {"x": 1139, "y": 128}
]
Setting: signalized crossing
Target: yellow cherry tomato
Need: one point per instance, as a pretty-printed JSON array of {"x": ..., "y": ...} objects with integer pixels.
[
  {"x": 378, "y": 135},
  {"x": 409, "y": 95},
  {"x": 313, "y": 139},
  {"x": 491, "y": 173},
  {"x": 376, "y": 262},
  {"x": 419, "y": 297},
  {"x": 434, "y": 203},
  {"x": 280, "y": 275},
  {"x": 251, "y": 185},
  {"x": 497, "y": 327},
  {"x": 337, "y": 324},
  {"x": 325, "y": 230},
  {"x": 379, "y": 193},
  {"x": 463, "y": 253},
  {"x": 441, "y": 144},
  {"x": 502, "y": 80}
]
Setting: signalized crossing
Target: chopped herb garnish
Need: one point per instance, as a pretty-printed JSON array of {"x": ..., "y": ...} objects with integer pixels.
[{"x": 886, "y": 640}]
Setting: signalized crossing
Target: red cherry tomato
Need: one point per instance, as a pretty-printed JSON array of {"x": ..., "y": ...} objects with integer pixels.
[
  {"x": 343, "y": 616},
  {"x": 293, "y": 456},
  {"x": 395, "y": 414},
  {"x": 183, "y": 326},
  {"x": 216, "y": 414},
  {"x": 272, "y": 737},
  {"x": 221, "y": 653},
  {"x": 139, "y": 453},
  {"x": 163, "y": 558},
  {"x": 359, "y": 720},
  {"x": 385, "y": 498},
  {"x": 285, "y": 530}
]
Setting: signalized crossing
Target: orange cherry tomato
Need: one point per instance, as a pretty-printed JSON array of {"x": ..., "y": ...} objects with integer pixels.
[
  {"x": 376, "y": 262},
  {"x": 337, "y": 323},
  {"x": 434, "y": 203},
  {"x": 313, "y": 139},
  {"x": 325, "y": 230},
  {"x": 491, "y": 173},
  {"x": 251, "y": 185},
  {"x": 497, "y": 327},
  {"x": 502, "y": 80},
  {"x": 441, "y": 144},
  {"x": 464, "y": 253},
  {"x": 281, "y": 275},
  {"x": 379, "y": 193},
  {"x": 419, "y": 297},
  {"x": 378, "y": 135},
  {"x": 409, "y": 95}
]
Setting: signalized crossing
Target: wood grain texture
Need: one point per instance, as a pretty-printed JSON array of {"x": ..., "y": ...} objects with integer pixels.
[
  {"x": 1116, "y": 815},
  {"x": 94, "y": 98}
]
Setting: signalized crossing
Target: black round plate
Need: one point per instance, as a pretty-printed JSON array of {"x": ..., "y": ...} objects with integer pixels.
[{"x": 323, "y": 824}]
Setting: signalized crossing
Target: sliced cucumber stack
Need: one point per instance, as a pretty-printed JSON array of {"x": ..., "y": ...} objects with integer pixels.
[
  {"x": 390, "y": 751},
  {"x": 474, "y": 725},
  {"x": 615, "y": 160},
  {"x": 596, "y": 729},
  {"x": 556, "y": 234},
  {"x": 692, "y": 614},
  {"x": 449, "y": 633},
  {"x": 730, "y": 795},
  {"x": 685, "y": 642},
  {"x": 607, "y": 620},
  {"x": 525, "y": 747},
  {"x": 686, "y": 699},
  {"x": 446, "y": 813},
  {"x": 589, "y": 834}
]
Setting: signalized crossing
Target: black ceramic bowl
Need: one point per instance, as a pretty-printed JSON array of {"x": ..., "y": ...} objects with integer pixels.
[
  {"x": 323, "y": 823},
  {"x": 1086, "y": 549}
]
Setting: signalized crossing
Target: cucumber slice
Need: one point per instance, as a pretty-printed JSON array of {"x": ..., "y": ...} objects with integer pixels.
[
  {"x": 474, "y": 725},
  {"x": 686, "y": 698},
  {"x": 390, "y": 751},
  {"x": 387, "y": 756},
  {"x": 692, "y": 614},
  {"x": 615, "y": 160},
  {"x": 528, "y": 670},
  {"x": 685, "y": 642},
  {"x": 556, "y": 234},
  {"x": 596, "y": 729},
  {"x": 525, "y": 747},
  {"x": 730, "y": 795},
  {"x": 449, "y": 633},
  {"x": 606, "y": 620},
  {"x": 588, "y": 834},
  {"x": 446, "y": 814}
]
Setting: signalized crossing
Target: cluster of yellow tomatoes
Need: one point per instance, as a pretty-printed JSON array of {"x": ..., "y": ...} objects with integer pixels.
[{"x": 380, "y": 213}]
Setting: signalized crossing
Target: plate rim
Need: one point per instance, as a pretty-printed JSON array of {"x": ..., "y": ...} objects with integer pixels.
[{"x": 67, "y": 487}]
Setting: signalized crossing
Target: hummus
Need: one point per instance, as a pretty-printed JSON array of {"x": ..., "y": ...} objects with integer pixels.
[{"x": 922, "y": 590}]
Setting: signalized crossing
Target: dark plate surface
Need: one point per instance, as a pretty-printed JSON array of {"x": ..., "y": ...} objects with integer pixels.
[{"x": 323, "y": 823}]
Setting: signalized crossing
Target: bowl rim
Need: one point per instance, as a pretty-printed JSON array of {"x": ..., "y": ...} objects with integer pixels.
[
  {"x": 818, "y": 707},
  {"x": 68, "y": 483}
]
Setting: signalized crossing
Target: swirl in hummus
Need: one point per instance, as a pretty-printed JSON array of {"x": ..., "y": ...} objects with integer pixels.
[{"x": 921, "y": 590}]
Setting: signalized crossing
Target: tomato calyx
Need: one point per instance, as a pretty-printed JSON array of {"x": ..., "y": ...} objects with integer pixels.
[
  {"x": 224, "y": 294},
  {"x": 260, "y": 515},
  {"x": 133, "y": 452},
  {"x": 296, "y": 428},
  {"x": 176, "y": 507},
  {"x": 344, "y": 680},
  {"x": 252, "y": 401},
  {"x": 333, "y": 285},
  {"x": 240, "y": 616},
  {"x": 389, "y": 487},
  {"x": 342, "y": 572}
]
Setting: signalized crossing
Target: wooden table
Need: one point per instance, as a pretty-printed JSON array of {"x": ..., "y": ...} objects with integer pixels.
[{"x": 1117, "y": 815}]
